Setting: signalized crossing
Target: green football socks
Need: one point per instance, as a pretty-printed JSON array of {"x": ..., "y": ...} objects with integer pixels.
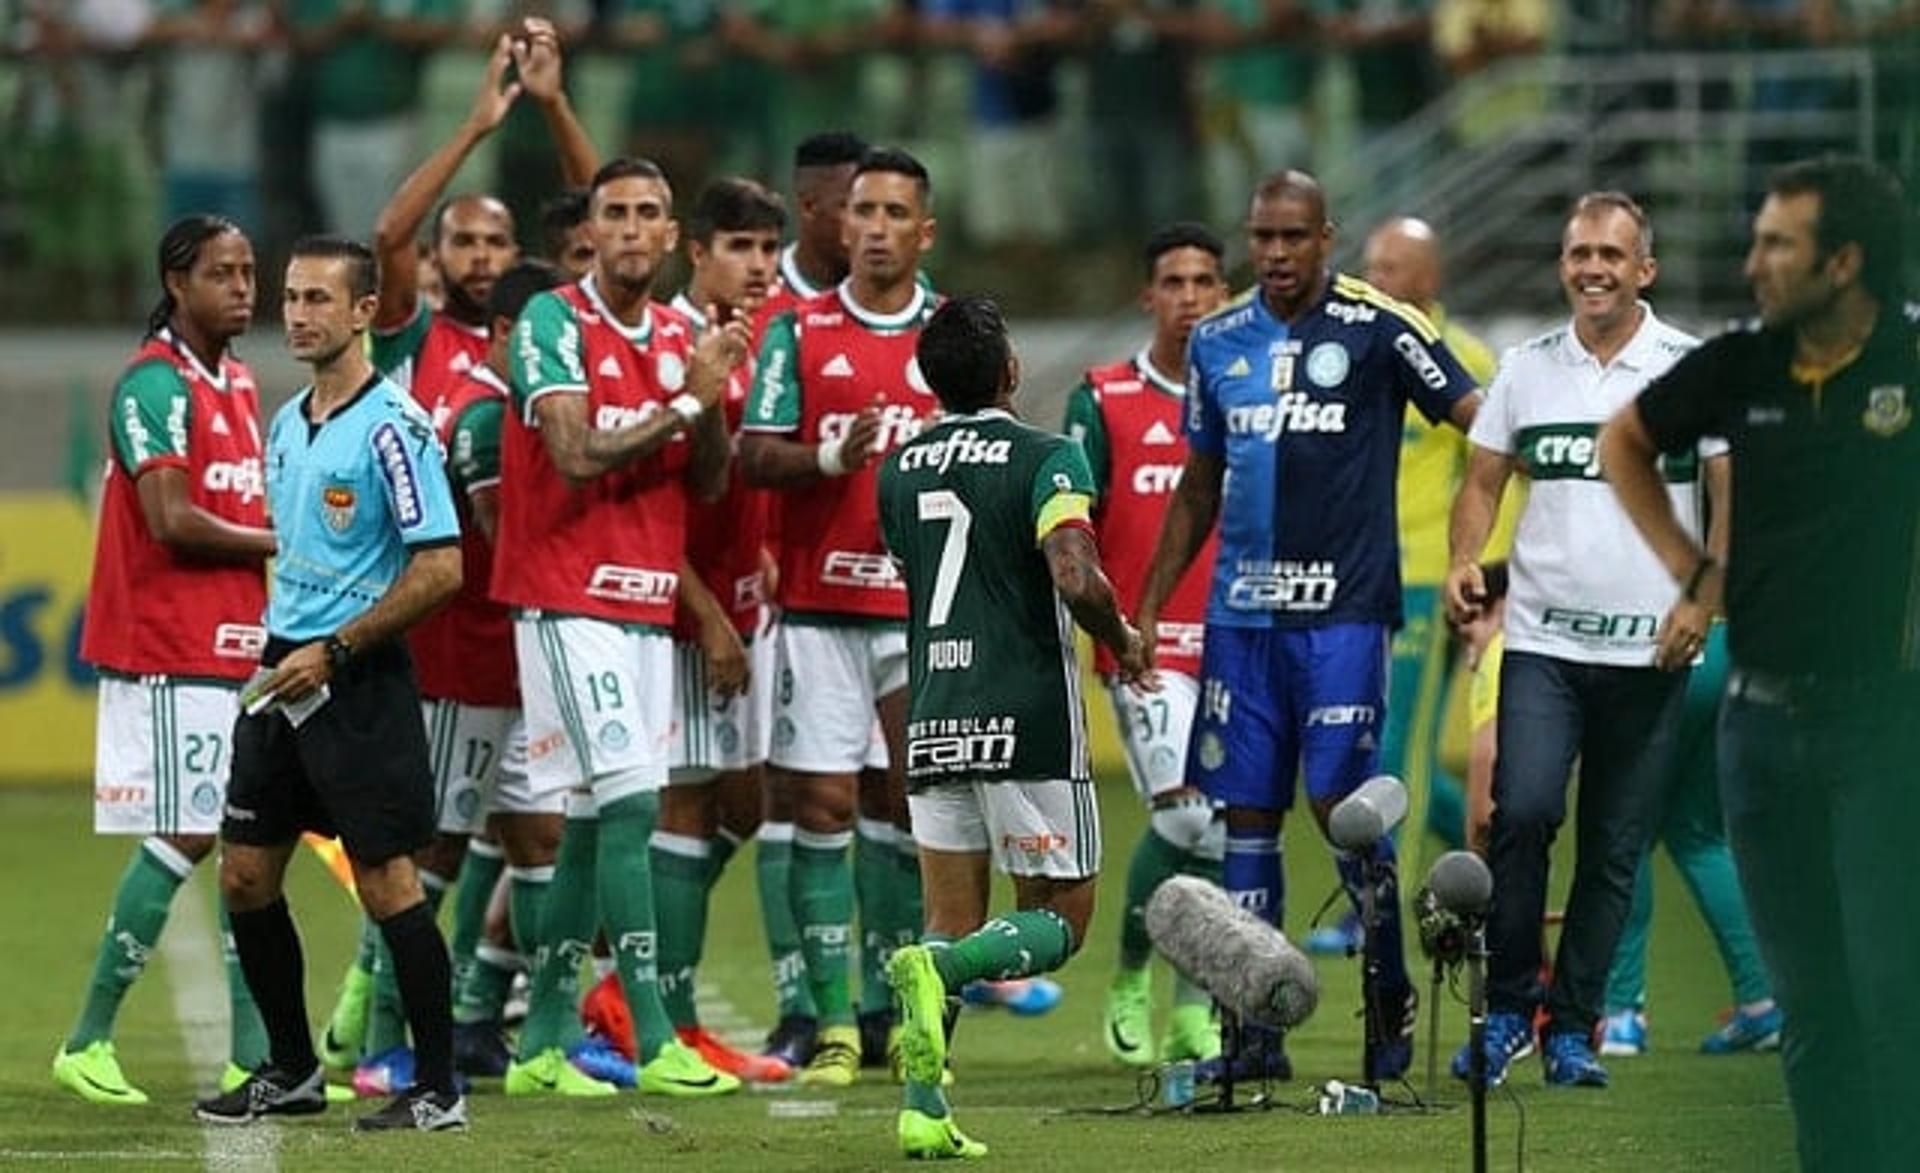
[
  {"x": 140, "y": 907},
  {"x": 823, "y": 904}
]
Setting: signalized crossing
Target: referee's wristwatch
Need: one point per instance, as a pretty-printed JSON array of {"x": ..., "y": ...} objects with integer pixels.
[{"x": 339, "y": 654}]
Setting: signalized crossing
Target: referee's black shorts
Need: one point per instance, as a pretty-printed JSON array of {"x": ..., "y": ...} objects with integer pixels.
[{"x": 357, "y": 768}]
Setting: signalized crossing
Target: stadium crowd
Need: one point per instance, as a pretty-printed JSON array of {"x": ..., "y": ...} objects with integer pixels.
[{"x": 292, "y": 117}]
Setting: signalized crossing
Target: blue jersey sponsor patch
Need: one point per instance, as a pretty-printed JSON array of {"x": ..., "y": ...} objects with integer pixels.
[{"x": 403, "y": 488}]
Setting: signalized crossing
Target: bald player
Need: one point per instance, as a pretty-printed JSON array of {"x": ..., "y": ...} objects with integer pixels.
[
  {"x": 430, "y": 352},
  {"x": 1403, "y": 261}
]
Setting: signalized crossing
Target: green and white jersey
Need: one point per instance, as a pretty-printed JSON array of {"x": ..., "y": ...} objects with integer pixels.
[
  {"x": 1586, "y": 586},
  {"x": 996, "y": 685}
]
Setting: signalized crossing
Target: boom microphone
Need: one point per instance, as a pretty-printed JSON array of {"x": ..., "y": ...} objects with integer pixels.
[
  {"x": 1369, "y": 814},
  {"x": 1232, "y": 954},
  {"x": 1461, "y": 883}
]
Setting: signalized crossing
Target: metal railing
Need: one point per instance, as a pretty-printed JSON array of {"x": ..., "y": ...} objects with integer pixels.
[{"x": 1494, "y": 164}]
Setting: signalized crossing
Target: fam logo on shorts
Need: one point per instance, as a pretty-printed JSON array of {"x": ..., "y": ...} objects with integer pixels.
[
  {"x": 1163, "y": 765},
  {"x": 613, "y": 737},
  {"x": 728, "y": 735},
  {"x": 783, "y": 731},
  {"x": 336, "y": 505},
  {"x": 1035, "y": 847},
  {"x": 206, "y": 799},
  {"x": 467, "y": 804}
]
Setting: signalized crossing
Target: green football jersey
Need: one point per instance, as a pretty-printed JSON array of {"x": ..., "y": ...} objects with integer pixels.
[{"x": 996, "y": 684}]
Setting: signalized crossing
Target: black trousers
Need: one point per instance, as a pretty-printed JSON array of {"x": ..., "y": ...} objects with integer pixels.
[{"x": 1619, "y": 723}]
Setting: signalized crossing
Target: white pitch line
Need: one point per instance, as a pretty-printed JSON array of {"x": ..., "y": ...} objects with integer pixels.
[{"x": 197, "y": 972}]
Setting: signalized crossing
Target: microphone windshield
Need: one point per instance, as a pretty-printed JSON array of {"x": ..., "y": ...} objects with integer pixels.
[
  {"x": 1461, "y": 883},
  {"x": 1366, "y": 816}
]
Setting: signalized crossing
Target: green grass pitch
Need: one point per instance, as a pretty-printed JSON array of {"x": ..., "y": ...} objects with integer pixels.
[{"x": 1029, "y": 1087}]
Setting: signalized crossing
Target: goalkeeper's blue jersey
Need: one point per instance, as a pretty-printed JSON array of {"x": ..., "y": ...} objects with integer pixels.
[{"x": 1307, "y": 417}]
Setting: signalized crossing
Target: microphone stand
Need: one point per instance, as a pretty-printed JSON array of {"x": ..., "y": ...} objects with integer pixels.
[
  {"x": 1433, "y": 1032},
  {"x": 1477, "y": 1039},
  {"x": 1231, "y": 1043},
  {"x": 1369, "y": 970}
]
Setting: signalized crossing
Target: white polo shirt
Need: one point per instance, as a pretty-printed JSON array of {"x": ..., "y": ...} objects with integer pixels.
[{"x": 1585, "y": 586}]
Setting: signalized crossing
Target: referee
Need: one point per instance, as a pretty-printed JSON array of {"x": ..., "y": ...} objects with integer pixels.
[
  {"x": 1818, "y": 741},
  {"x": 330, "y": 738}
]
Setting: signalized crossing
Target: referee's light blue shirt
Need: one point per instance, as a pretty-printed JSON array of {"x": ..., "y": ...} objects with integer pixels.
[{"x": 351, "y": 499}]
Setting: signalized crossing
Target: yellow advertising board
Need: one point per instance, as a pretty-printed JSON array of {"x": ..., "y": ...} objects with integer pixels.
[{"x": 46, "y": 693}]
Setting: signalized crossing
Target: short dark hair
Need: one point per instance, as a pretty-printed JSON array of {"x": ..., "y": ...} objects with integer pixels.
[
  {"x": 894, "y": 161},
  {"x": 734, "y": 204},
  {"x": 1182, "y": 234},
  {"x": 627, "y": 167},
  {"x": 829, "y": 148},
  {"x": 179, "y": 252},
  {"x": 516, "y": 287},
  {"x": 1294, "y": 184},
  {"x": 1595, "y": 202},
  {"x": 363, "y": 268},
  {"x": 1861, "y": 203},
  {"x": 963, "y": 351},
  {"x": 559, "y": 215}
]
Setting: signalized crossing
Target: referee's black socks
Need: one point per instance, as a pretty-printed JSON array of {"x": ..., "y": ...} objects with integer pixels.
[
  {"x": 270, "y": 957},
  {"x": 425, "y": 975}
]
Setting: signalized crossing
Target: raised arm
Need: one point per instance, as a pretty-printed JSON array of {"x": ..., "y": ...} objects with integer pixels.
[
  {"x": 537, "y": 60},
  {"x": 399, "y": 223}
]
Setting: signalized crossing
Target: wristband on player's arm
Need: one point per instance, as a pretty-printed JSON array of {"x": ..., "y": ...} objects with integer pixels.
[
  {"x": 686, "y": 407},
  {"x": 827, "y": 454}
]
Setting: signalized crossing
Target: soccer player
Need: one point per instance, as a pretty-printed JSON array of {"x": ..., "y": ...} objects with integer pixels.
[
  {"x": 475, "y": 636},
  {"x": 471, "y": 702},
  {"x": 723, "y": 661},
  {"x": 172, "y": 625},
  {"x": 836, "y": 386},
  {"x": 1598, "y": 642},
  {"x": 814, "y": 261},
  {"x": 1126, "y": 416},
  {"x": 614, "y": 427},
  {"x": 1403, "y": 262},
  {"x": 329, "y": 739},
  {"x": 1294, "y": 408},
  {"x": 564, "y": 238},
  {"x": 989, "y": 519}
]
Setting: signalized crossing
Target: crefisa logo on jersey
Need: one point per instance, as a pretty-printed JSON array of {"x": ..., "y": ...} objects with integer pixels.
[{"x": 336, "y": 507}]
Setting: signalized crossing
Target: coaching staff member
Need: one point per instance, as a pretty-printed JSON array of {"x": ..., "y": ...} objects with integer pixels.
[
  {"x": 1819, "y": 741},
  {"x": 368, "y": 542}
]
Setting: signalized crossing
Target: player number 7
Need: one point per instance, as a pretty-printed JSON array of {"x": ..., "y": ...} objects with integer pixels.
[{"x": 945, "y": 505}]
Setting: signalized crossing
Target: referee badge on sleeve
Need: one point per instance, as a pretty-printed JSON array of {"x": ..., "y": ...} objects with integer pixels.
[
  {"x": 336, "y": 505},
  {"x": 1887, "y": 410}
]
